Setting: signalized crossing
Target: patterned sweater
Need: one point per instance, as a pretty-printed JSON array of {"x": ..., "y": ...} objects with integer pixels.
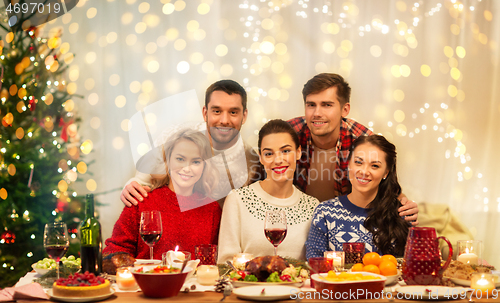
[
  {"x": 242, "y": 223},
  {"x": 335, "y": 222}
]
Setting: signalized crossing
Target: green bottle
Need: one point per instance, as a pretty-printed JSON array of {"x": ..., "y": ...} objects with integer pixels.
[{"x": 90, "y": 240}]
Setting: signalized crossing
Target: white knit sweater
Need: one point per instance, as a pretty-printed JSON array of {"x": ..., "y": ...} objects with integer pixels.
[{"x": 242, "y": 223}]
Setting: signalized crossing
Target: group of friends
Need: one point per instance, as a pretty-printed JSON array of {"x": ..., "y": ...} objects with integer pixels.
[{"x": 335, "y": 180}]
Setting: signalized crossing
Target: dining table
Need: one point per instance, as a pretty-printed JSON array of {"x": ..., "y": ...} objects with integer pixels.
[{"x": 307, "y": 295}]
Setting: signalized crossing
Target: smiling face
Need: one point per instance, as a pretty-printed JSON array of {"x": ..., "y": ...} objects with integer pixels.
[
  {"x": 324, "y": 112},
  {"x": 278, "y": 155},
  {"x": 224, "y": 115},
  {"x": 367, "y": 168},
  {"x": 185, "y": 167}
]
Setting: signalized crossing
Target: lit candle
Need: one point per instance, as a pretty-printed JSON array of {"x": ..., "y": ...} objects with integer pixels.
[
  {"x": 337, "y": 257},
  {"x": 468, "y": 258},
  {"x": 239, "y": 260},
  {"x": 207, "y": 274},
  {"x": 125, "y": 280},
  {"x": 483, "y": 283}
]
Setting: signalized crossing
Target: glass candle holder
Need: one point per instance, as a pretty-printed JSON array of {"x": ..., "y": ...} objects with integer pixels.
[
  {"x": 125, "y": 280},
  {"x": 239, "y": 260},
  {"x": 354, "y": 252},
  {"x": 483, "y": 284},
  {"x": 207, "y": 253},
  {"x": 469, "y": 252},
  {"x": 337, "y": 257},
  {"x": 207, "y": 274},
  {"x": 174, "y": 258},
  {"x": 319, "y": 265}
]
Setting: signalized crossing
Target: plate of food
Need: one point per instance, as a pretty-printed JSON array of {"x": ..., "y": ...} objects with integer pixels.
[
  {"x": 47, "y": 264},
  {"x": 269, "y": 270},
  {"x": 461, "y": 274},
  {"x": 266, "y": 293},
  {"x": 80, "y": 299}
]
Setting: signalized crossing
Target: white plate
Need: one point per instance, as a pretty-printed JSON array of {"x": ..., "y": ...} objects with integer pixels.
[
  {"x": 271, "y": 293},
  {"x": 436, "y": 292},
  {"x": 139, "y": 262},
  {"x": 393, "y": 279},
  {"x": 79, "y": 299},
  {"x": 40, "y": 271},
  {"x": 265, "y": 284}
]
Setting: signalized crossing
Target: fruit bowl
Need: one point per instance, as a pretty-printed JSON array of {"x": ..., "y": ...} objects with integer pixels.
[
  {"x": 40, "y": 271},
  {"x": 393, "y": 279},
  {"x": 362, "y": 289},
  {"x": 159, "y": 285}
]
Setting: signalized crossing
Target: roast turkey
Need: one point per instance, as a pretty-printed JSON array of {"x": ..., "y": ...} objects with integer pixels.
[{"x": 262, "y": 267}]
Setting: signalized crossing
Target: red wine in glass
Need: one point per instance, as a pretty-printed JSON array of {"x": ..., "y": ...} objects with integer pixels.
[
  {"x": 151, "y": 239},
  {"x": 275, "y": 236},
  {"x": 56, "y": 252},
  {"x": 275, "y": 228},
  {"x": 151, "y": 228},
  {"x": 56, "y": 241}
]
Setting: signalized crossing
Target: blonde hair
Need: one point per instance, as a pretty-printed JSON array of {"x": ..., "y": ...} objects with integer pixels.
[{"x": 210, "y": 175}]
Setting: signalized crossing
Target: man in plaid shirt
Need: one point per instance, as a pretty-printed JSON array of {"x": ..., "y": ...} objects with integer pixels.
[{"x": 326, "y": 136}]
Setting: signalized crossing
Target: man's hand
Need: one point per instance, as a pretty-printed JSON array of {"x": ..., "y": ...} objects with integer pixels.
[
  {"x": 134, "y": 191},
  {"x": 409, "y": 209}
]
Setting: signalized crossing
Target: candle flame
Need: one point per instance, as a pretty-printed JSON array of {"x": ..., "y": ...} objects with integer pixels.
[
  {"x": 466, "y": 250},
  {"x": 176, "y": 247}
]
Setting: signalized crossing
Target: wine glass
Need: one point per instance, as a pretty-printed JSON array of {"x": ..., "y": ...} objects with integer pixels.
[
  {"x": 275, "y": 227},
  {"x": 151, "y": 228},
  {"x": 56, "y": 241}
]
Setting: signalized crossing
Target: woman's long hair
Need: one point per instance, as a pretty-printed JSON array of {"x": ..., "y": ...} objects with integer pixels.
[
  {"x": 384, "y": 221},
  {"x": 210, "y": 175}
]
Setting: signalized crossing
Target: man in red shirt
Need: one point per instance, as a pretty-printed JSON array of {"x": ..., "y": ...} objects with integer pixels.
[{"x": 326, "y": 136}]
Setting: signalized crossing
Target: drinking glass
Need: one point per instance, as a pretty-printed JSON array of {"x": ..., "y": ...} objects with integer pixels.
[
  {"x": 56, "y": 241},
  {"x": 275, "y": 227},
  {"x": 207, "y": 253},
  {"x": 151, "y": 228}
]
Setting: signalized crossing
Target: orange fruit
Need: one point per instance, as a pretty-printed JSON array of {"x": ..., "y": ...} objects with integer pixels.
[
  {"x": 389, "y": 258},
  {"x": 372, "y": 258},
  {"x": 357, "y": 267},
  {"x": 387, "y": 268},
  {"x": 372, "y": 268}
]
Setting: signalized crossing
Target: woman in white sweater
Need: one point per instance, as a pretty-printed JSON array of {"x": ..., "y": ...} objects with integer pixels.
[{"x": 243, "y": 216}]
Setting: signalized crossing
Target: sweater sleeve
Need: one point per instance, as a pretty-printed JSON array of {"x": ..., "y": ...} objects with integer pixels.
[
  {"x": 141, "y": 178},
  {"x": 230, "y": 229},
  {"x": 125, "y": 233},
  {"x": 317, "y": 240}
]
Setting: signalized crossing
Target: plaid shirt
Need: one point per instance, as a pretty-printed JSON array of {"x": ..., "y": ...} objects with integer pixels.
[{"x": 350, "y": 130}]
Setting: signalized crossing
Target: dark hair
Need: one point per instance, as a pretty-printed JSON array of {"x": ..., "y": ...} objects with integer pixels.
[
  {"x": 324, "y": 81},
  {"x": 384, "y": 221},
  {"x": 229, "y": 87},
  {"x": 277, "y": 126}
]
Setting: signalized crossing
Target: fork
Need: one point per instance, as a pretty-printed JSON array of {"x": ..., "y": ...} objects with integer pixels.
[{"x": 228, "y": 289}]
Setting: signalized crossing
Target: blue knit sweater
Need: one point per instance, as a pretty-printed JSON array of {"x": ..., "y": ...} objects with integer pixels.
[{"x": 335, "y": 222}]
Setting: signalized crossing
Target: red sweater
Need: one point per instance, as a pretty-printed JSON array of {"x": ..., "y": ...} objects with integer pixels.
[{"x": 189, "y": 228}]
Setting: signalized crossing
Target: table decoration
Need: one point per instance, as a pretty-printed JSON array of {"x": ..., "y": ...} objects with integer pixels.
[
  {"x": 206, "y": 253},
  {"x": 337, "y": 257},
  {"x": 354, "y": 252},
  {"x": 125, "y": 280},
  {"x": 469, "y": 251},
  {"x": 207, "y": 274},
  {"x": 239, "y": 260},
  {"x": 484, "y": 284}
]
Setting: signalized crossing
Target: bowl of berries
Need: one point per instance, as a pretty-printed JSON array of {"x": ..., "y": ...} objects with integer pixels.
[{"x": 160, "y": 281}]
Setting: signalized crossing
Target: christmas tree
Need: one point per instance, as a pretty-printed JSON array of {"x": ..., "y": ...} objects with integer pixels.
[{"x": 40, "y": 147}]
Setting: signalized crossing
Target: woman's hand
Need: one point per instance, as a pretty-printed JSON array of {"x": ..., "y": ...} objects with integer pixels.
[
  {"x": 133, "y": 191},
  {"x": 409, "y": 210}
]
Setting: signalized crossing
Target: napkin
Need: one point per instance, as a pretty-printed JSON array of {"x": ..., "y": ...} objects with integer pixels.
[{"x": 24, "y": 292}]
